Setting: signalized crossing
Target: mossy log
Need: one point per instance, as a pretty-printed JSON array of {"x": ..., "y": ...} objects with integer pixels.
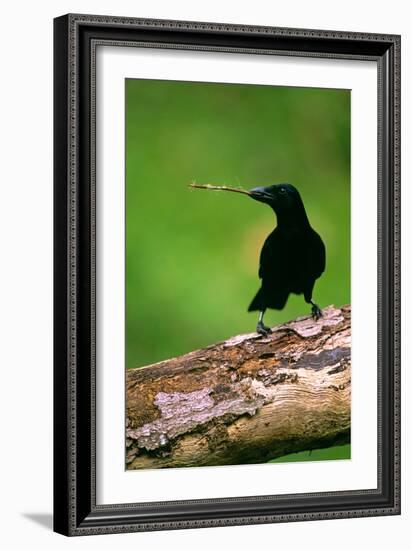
[{"x": 246, "y": 400}]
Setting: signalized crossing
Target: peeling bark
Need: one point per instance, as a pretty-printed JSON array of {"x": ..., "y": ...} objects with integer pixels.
[{"x": 246, "y": 400}]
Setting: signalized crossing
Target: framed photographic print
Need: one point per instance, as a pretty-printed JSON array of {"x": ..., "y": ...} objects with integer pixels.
[{"x": 227, "y": 280}]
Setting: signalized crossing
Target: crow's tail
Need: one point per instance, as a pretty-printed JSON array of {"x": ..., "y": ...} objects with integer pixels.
[{"x": 257, "y": 303}]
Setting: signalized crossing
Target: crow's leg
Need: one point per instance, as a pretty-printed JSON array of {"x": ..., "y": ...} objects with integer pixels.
[
  {"x": 315, "y": 311},
  {"x": 261, "y": 328}
]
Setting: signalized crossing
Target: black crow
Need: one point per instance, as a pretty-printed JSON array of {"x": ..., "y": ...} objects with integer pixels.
[{"x": 293, "y": 255}]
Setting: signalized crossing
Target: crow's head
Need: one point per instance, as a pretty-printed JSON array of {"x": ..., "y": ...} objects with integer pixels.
[
  {"x": 280, "y": 195},
  {"x": 283, "y": 198}
]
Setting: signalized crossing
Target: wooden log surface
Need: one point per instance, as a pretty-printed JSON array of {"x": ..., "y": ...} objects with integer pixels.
[{"x": 245, "y": 400}]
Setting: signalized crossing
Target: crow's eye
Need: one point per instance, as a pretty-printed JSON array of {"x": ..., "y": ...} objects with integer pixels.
[{"x": 282, "y": 191}]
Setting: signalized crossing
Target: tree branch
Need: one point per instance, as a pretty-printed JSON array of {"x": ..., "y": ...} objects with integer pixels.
[{"x": 246, "y": 400}]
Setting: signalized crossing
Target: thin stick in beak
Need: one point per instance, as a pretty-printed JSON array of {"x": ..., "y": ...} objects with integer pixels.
[{"x": 219, "y": 188}]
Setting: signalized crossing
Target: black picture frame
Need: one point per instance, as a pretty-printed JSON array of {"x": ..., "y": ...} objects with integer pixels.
[{"x": 75, "y": 509}]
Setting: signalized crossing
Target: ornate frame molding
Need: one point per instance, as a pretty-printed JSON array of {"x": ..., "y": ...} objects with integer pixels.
[{"x": 76, "y": 40}]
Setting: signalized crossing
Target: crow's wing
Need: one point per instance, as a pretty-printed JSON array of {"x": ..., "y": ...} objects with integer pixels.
[
  {"x": 271, "y": 255},
  {"x": 315, "y": 255},
  {"x": 289, "y": 256}
]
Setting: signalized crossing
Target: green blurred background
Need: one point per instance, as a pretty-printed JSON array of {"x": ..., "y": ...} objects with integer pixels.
[{"x": 192, "y": 255}]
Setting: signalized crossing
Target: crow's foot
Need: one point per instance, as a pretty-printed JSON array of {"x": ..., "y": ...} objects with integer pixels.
[
  {"x": 316, "y": 312},
  {"x": 262, "y": 329}
]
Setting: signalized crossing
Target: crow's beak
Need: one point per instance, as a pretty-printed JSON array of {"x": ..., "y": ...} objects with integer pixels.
[{"x": 260, "y": 194}]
